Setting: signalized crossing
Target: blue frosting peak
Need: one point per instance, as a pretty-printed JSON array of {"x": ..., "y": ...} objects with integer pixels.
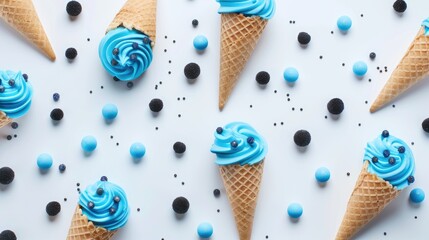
[
  {"x": 262, "y": 8},
  {"x": 15, "y": 94}
]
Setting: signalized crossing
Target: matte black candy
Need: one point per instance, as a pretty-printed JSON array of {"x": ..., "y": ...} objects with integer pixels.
[
  {"x": 219, "y": 130},
  {"x": 302, "y": 138},
  {"x": 7, "y": 235},
  {"x": 156, "y": 105},
  {"x": 425, "y": 125},
  {"x": 53, "y": 208},
  {"x": 6, "y": 175},
  {"x": 216, "y": 192},
  {"x": 375, "y": 159},
  {"x": 195, "y": 22},
  {"x": 192, "y": 71},
  {"x": 335, "y": 106},
  {"x": 180, "y": 205},
  {"x": 262, "y": 77},
  {"x": 74, "y": 8},
  {"x": 179, "y": 147},
  {"x": 71, "y": 53},
  {"x": 385, "y": 134},
  {"x": 304, "y": 38},
  {"x": 400, "y": 6},
  {"x": 57, "y": 114},
  {"x": 372, "y": 55}
]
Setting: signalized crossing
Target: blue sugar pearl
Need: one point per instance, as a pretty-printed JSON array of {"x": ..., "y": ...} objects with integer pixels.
[
  {"x": 360, "y": 68},
  {"x": 88, "y": 143},
  {"x": 417, "y": 195},
  {"x": 2, "y": 88},
  {"x": 100, "y": 191},
  {"x": 200, "y": 42},
  {"x": 205, "y": 230},
  {"x": 250, "y": 140},
  {"x": 25, "y": 76},
  {"x": 44, "y": 161},
  {"x": 219, "y": 130},
  {"x": 385, "y": 134},
  {"x": 234, "y": 144},
  {"x": 133, "y": 57},
  {"x": 375, "y": 159},
  {"x": 115, "y": 51},
  {"x": 112, "y": 210},
  {"x": 135, "y": 45},
  {"x": 386, "y": 153},
  {"x": 344, "y": 23},
  {"x": 109, "y": 111},
  {"x": 62, "y": 167},
  {"x": 322, "y": 174},
  {"x": 116, "y": 199},
  {"x": 392, "y": 161},
  {"x": 114, "y": 62},
  {"x": 294, "y": 210},
  {"x": 103, "y": 178},
  {"x": 291, "y": 75},
  {"x": 401, "y": 149},
  {"x": 146, "y": 40},
  {"x": 11, "y": 82},
  {"x": 14, "y": 125},
  {"x": 411, "y": 179},
  {"x": 91, "y": 205},
  {"x": 56, "y": 97},
  {"x": 137, "y": 150}
]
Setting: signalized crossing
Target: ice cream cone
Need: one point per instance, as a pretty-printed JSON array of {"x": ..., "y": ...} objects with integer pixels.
[
  {"x": 239, "y": 36},
  {"x": 242, "y": 187},
  {"x": 413, "y": 67},
  {"x": 370, "y": 196},
  {"x": 22, "y": 16},
  {"x": 4, "y": 120},
  {"x": 139, "y": 15},
  {"x": 82, "y": 229}
]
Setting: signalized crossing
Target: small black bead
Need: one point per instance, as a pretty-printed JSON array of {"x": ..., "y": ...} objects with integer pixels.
[
  {"x": 392, "y": 160},
  {"x": 14, "y": 125},
  {"x": 100, "y": 191},
  {"x": 133, "y": 57},
  {"x": 7, "y": 235},
  {"x": 71, "y": 53},
  {"x": 335, "y": 106},
  {"x": 179, "y": 147},
  {"x": 103, "y": 179},
  {"x": 25, "y": 76},
  {"x": 112, "y": 210},
  {"x": 401, "y": 149},
  {"x": 250, "y": 140},
  {"x": 234, "y": 144},
  {"x": 115, "y": 51},
  {"x": 425, "y": 124},
  {"x": 180, "y": 205},
  {"x": 147, "y": 40},
  {"x": 262, "y": 77},
  {"x": 11, "y": 82},
  {"x": 62, "y": 167},
  {"x": 304, "y": 38},
  {"x": 53, "y": 208},
  {"x": 302, "y": 138},
  {"x": 135, "y": 45},
  {"x": 385, "y": 134},
  {"x": 386, "y": 153},
  {"x": 195, "y": 22},
  {"x": 375, "y": 159},
  {"x": 130, "y": 84},
  {"x": 400, "y": 6},
  {"x": 216, "y": 192},
  {"x": 192, "y": 71},
  {"x": 116, "y": 199},
  {"x": 411, "y": 179},
  {"x": 74, "y": 8},
  {"x": 219, "y": 130},
  {"x": 156, "y": 105},
  {"x": 57, "y": 114},
  {"x": 372, "y": 55},
  {"x": 6, "y": 175},
  {"x": 114, "y": 62}
]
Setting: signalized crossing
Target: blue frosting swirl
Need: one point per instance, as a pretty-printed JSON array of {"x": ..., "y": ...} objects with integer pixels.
[
  {"x": 390, "y": 159},
  {"x": 125, "y": 54},
  {"x": 262, "y": 8},
  {"x": 425, "y": 24},
  {"x": 100, "y": 214},
  {"x": 238, "y": 143},
  {"x": 15, "y": 94}
]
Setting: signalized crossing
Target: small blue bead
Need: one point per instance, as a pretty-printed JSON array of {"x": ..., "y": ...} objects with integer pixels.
[
  {"x": 88, "y": 144},
  {"x": 322, "y": 174},
  {"x": 234, "y": 144},
  {"x": 112, "y": 210},
  {"x": 115, "y": 51},
  {"x": 116, "y": 199},
  {"x": 109, "y": 111},
  {"x": 137, "y": 150},
  {"x": 114, "y": 62},
  {"x": 100, "y": 191},
  {"x": 56, "y": 97},
  {"x": 250, "y": 140},
  {"x": 62, "y": 167},
  {"x": 386, "y": 153},
  {"x": 11, "y": 82},
  {"x": 91, "y": 205},
  {"x": 103, "y": 178},
  {"x": 360, "y": 68},
  {"x": 133, "y": 57},
  {"x": 291, "y": 75},
  {"x": 385, "y": 134},
  {"x": 392, "y": 161},
  {"x": 375, "y": 159},
  {"x": 401, "y": 149},
  {"x": 411, "y": 179},
  {"x": 2, "y": 89},
  {"x": 200, "y": 42},
  {"x": 344, "y": 23},
  {"x": 219, "y": 130},
  {"x": 417, "y": 195},
  {"x": 135, "y": 45},
  {"x": 205, "y": 230},
  {"x": 146, "y": 40},
  {"x": 295, "y": 210}
]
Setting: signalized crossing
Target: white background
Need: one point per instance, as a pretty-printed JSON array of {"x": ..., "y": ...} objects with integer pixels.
[{"x": 150, "y": 185}]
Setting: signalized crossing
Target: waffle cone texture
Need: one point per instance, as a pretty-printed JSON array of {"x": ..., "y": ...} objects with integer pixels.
[
  {"x": 242, "y": 185},
  {"x": 413, "y": 67},
  {"x": 370, "y": 196},
  {"x": 22, "y": 16},
  {"x": 139, "y": 15},
  {"x": 82, "y": 229},
  {"x": 4, "y": 120},
  {"x": 239, "y": 36}
]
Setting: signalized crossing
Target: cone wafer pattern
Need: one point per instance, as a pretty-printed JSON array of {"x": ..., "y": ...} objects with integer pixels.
[
  {"x": 370, "y": 196},
  {"x": 4, "y": 120},
  {"x": 22, "y": 16},
  {"x": 139, "y": 15},
  {"x": 413, "y": 67},
  {"x": 242, "y": 187},
  {"x": 239, "y": 36},
  {"x": 82, "y": 229}
]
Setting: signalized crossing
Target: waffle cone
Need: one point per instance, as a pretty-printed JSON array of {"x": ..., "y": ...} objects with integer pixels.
[
  {"x": 4, "y": 120},
  {"x": 239, "y": 36},
  {"x": 242, "y": 187},
  {"x": 139, "y": 15},
  {"x": 413, "y": 67},
  {"x": 22, "y": 16},
  {"x": 82, "y": 229},
  {"x": 370, "y": 196}
]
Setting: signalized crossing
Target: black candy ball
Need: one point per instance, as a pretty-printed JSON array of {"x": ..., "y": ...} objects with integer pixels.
[
  {"x": 7, "y": 235},
  {"x": 400, "y": 6},
  {"x": 181, "y": 205},
  {"x": 425, "y": 125},
  {"x": 156, "y": 105},
  {"x": 335, "y": 106},
  {"x": 216, "y": 192},
  {"x": 304, "y": 38},
  {"x": 195, "y": 22},
  {"x": 6, "y": 175},
  {"x": 57, "y": 114},
  {"x": 71, "y": 53},
  {"x": 302, "y": 138},
  {"x": 192, "y": 71},
  {"x": 262, "y": 77},
  {"x": 179, "y": 147},
  {"x": 53, "y": 208},
  {"x": 74, "y": 8}
]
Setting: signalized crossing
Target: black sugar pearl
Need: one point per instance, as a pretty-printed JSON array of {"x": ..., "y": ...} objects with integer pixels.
[
  {"x": 25, "y": 76},
  {"x": 62, "y": 167},
  {"x": 304, "y": 38},
  {"x": 216, "y": 192},
  {"x": 135, "y": 45},
  {"x": 11, "y": 82},
  {"x": 146, "y": 40},
  {"x": 91, "y": 205},
  {"x": 156, "y": 105},
  {"x": 192, "y": 71},
  {"x": 103, "y": 178},
  {"x": 372, "y": 55},
  {"x": 7, "y": 235},
  {"x": 71, "y": 53},
  {"x": 180, "y": 205},
  {"x": 400, "y": 6},
  {"x": 112, "y": 210},
  {"x": 114, "y": 62},
  {"x": 234, "y": 144},
  {"x": 411, "y": 179},
  {"x": 375, "y": 159},
  {"x": 14, "y": 125},
  {"x": 302, "y": 138},
  {"x": 74, "y": 8},
  {"x": 130, "y": 84},
  {"x": 401, "y": 149},
  {"x": 386, "y": 153},
  {"x": 179, "y": 147},
  {"x": 2, "y": 88},
  {"x": 116, "y": 199},
  {"x": 53, "y": 208},
  {"x": 250, "y": 140},
  {"x": 262, "y": 77},
  {"x": 195, "y": 22},
  {"x": 219, "y": 130},
  {"x": 115, "y": 51},
  {"x": 335, "y": 106},
  {"x": 385, "y": 134},
  {"x": 100, "y": 191},
  {"x": 425, "y": 124},
  {"x": 392, "y": 161},
  {"x": 57, "y": 114},
  {"x": 6, "y": 175},
  {"x": 133, "y": 57}
]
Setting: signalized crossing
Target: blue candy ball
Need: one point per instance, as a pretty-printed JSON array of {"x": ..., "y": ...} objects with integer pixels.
[
  {"x": 137, "y": 150},
  {"x": 88, "y": 143},
  {"x": 44, "y": 161},
  {"x": 294, "y": 210},
  {"x": 344, "y": 23},
  {"x": 322, "y": 174},
  {"x": 205, "y": 230},
  {"x": 109, "y": 111},
  {"x": 360, "y": 68},
  {"x": 291, "y": 74},
  {"x": 200, "y": 42},
  {"x": 417, "y": 195}
]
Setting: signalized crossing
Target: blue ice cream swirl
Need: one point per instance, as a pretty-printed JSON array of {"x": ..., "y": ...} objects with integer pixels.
[
  {"x": 390, "y": 159},
  {"x": 262, "y": 8},
  {"x": 125, "y": 54},
  {"x": 105, "y": 204},
  {"x": 15, "y": 94},
  {"x": 238, "y": 143},
  {"x": 425, "y": 24}
]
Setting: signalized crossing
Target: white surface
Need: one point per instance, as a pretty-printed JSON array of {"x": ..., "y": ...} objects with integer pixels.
[{"x": 150, "y": 185}]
